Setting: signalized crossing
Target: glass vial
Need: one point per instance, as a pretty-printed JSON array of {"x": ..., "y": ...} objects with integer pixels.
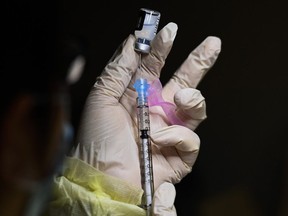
[{"x": 146, "y": 29}]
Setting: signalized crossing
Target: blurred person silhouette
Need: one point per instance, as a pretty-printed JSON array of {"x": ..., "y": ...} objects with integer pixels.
[{"x": 35, "y": 128}]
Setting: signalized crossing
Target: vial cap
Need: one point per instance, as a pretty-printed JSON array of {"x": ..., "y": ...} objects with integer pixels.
[{"x": 140, "y": 47}]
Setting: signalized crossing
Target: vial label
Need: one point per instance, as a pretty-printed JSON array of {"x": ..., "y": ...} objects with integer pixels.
[
  {"x": 146, "y": 29},
  {"x": 141, "y": 19}
]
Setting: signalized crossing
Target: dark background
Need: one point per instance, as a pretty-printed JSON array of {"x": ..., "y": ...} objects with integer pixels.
[{"x": 242, "y": 165}]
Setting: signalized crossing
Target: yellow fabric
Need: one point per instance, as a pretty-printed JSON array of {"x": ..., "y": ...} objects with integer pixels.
[{"x": 84, "y": 190}]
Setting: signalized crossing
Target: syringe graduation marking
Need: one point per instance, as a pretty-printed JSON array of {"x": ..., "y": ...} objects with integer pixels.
[{"x": 141, "y": 87}]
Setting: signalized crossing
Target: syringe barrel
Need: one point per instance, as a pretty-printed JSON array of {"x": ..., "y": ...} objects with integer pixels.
[
  {"x": 143, "y": 118},
  {"x": 146, "y": 171},
  {"x": 142, "y": 86}
]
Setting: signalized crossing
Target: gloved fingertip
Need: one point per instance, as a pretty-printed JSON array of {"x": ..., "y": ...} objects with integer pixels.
[
  {"x": 164, "y": 198},
  {"x": 160, "y": 48},
  {"x": 212, "y": 45},
  {"x": 171, "y": 29},
  {"x": 129, "y": 42},
  {"x": 127, "y": 46},
  {"x": 188, "y": 98},
  {"x": 167, "y": 33},
  {"x": 165, "y": 189}
]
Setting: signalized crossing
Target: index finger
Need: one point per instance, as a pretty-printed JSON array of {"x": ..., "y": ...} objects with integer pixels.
[
  {"x": 161, "y": 45},
  {"x": 197, "y": 64},
  {"x": 117, "y": 74}
]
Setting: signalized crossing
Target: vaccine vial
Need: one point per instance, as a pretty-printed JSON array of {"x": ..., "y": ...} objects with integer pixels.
[{"x": 146, "y": 29}]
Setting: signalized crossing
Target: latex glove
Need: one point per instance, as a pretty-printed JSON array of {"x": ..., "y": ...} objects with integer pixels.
[
  {"x": 163, "y": 200},
  {"x": 108, "y": 131}
]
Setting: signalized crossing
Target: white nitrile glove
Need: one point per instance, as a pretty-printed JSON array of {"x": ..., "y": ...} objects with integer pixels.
[
  {"x": 163, "y": 200},
  {"x": 108, "y": 131}
]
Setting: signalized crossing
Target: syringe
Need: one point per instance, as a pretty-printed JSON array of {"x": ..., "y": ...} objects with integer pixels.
[
  {"x": 145, "y": 31},
  {"x": 141, "y": 85}
]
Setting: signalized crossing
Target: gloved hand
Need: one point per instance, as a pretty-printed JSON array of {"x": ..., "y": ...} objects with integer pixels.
[{"x": 108, "y": 136}]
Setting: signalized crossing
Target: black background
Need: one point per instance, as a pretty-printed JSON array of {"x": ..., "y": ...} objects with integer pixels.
[{"x": 242, "y": 163}]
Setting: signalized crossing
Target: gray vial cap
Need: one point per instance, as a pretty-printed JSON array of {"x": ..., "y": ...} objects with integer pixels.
[{"x": 142, "y": 45}]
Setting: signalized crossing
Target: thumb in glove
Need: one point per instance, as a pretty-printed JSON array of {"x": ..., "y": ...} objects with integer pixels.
[{"x": 163, "y": 203}]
